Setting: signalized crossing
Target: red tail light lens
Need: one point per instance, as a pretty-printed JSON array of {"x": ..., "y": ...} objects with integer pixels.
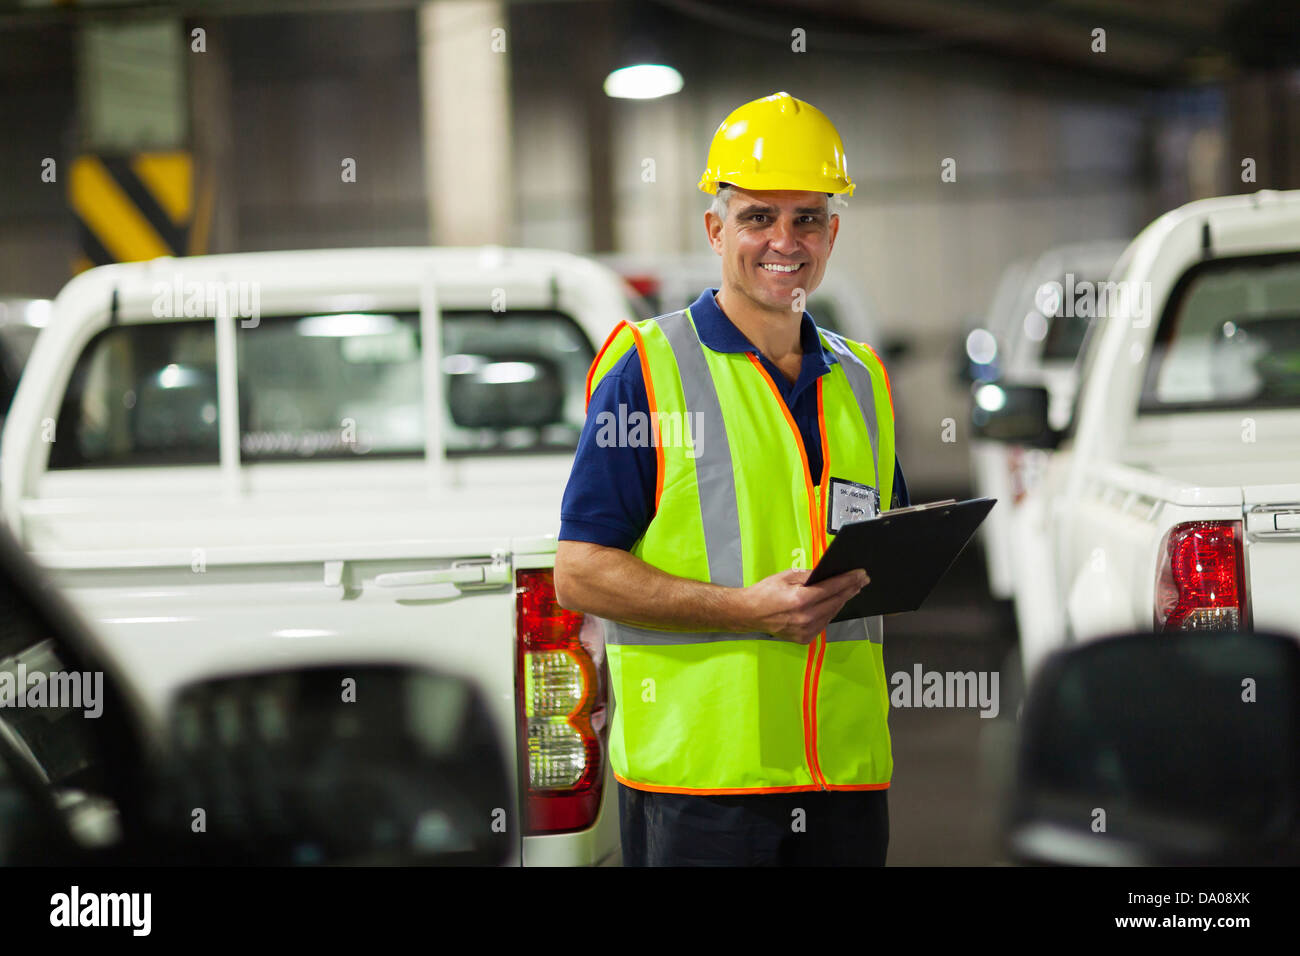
[
  {"x": 561, "y": 700},
  {"x": 1201, "y": 583},
  {"x": 1016, "y": 473},
  {"x": 643, "y": 285}
]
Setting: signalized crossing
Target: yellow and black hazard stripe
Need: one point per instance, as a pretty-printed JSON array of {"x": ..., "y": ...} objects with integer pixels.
[{"x": 131, "y": 208}]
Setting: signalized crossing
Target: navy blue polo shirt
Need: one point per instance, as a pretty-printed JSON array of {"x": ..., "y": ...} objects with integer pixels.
[{"x": 610, "y": 497}]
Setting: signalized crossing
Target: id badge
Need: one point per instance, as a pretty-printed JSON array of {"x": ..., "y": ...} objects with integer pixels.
[{"x": 850, "y": 502}]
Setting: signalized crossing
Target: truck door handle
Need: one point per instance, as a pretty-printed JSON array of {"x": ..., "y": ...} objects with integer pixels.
[
  {"x": 413, "y": 579},
  {"x": 470, "y": 574},
  {"x": 1273, "y": 522}
]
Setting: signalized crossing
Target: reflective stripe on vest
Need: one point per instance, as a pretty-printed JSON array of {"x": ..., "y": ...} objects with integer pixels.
[
  {"x": 617, "y": 633},
  {"x": 713, "y": 470}
]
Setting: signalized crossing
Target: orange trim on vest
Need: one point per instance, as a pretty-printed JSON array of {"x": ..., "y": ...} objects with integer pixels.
[
  {"x": 802, "y": 788},
  {"x": 820, "y": 530},
  {"x": 809, "y": 726},
  {"x": 826, "y": 463},
  {"x": 809, "y": 705},
  {"x": 609, "y": 340}
]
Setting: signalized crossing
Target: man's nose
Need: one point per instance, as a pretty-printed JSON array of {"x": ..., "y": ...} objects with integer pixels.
[{"x": 783, "y": 236}]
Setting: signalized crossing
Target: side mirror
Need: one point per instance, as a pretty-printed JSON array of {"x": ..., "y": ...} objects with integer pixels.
[
  {"x": 896, "y": 349},
  {"x": 1012, "y": 413},
  {"x": 1153, "y": 749},
  {"x": 367, "y": 764}
]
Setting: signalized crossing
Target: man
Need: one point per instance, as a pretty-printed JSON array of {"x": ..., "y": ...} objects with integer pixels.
[{"x": 748, "y": 728}]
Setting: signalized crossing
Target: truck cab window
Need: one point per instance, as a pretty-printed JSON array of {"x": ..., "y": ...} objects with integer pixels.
[
  {"x": 350, "y": 385},
  {"x": 1230, "y": 338},
  {"x": 325, "y": 387},
  {"x": 141, "y": 395}
]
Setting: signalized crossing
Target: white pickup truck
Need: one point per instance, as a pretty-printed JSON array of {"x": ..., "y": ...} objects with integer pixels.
[
  {"x": 1031, "y": 336},
  {"x": 231, "y": 461},
  {"x": 1173, "y": 502}
]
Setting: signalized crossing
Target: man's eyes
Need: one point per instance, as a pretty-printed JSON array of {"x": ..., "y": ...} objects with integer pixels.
[{"x": 806, "y": 220}]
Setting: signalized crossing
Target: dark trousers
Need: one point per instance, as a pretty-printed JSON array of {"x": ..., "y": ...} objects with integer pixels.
[{"x": 814, "y": 828}]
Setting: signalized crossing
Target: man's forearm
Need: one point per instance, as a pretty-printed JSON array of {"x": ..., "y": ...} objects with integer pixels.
[{"x": 614, "y": 584}]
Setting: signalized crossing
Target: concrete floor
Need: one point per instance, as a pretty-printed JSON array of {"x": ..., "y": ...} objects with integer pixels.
[{"x": 949, "y": 764}]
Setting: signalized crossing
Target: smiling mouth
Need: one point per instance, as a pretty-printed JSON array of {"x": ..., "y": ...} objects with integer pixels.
[{"x": 780, "y": 269}]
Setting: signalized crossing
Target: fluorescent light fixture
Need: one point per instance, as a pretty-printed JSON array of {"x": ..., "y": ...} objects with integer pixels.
[
  {"x": 462, "y": 364},
  {"x": 991, "y": 398},
  {"x": 38, "y": 312},
  {"x": 1035, "y": 326},
  {"x": 981, "y": 346},
  {"x": 347, "y": 324},
  {"x": 645, "y": 81},
  {"x": 503, "y": 373},
  {"x": 177, "y": 376},
  {"x": 145, "y": 620}
]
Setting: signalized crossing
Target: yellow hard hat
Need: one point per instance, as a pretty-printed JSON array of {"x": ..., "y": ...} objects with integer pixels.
[{"x": 777, "y": 142}]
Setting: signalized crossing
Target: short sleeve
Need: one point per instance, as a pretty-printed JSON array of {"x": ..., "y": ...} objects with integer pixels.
[{"x": 610, "y": 497}]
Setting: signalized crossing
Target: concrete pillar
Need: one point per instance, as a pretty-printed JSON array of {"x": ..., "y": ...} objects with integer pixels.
[
  {"x": 131, "y": 86},
  {"x": 216, "y": 226},
  {"x": 593, "y": 61},
  {"x": 1264, "y": 126},
  {"x": 465, "y": 107},
  {"x": 130, "y": 187}
]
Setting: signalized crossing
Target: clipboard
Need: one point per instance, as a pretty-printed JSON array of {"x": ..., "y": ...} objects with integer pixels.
[{"x": 906, "y": 552}]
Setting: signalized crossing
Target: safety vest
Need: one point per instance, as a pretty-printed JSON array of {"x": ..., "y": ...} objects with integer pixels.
[{"x": 717, "y": 712}]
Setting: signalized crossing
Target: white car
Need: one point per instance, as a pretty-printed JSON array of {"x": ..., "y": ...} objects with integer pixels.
[
  {"x": 1173, "y": 501},
  {"x": 21, "y": 321},
  {"x": 1031, "y": 336},
  {"x": 311, "y": 456}
]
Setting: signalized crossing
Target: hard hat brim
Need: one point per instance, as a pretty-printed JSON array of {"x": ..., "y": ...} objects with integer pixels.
[{"x": 772, "y": 183}]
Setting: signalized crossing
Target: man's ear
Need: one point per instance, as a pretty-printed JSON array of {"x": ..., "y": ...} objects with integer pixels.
[
  {"x": 835, "y": 229},
  {"x": 713, "y": 230}
]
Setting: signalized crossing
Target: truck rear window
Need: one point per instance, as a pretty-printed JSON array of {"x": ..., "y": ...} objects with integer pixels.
[
  {"x": 327, "y": 386},
  {"x": 1229, "y": 338},
  {"x": 141, "y": 395}
]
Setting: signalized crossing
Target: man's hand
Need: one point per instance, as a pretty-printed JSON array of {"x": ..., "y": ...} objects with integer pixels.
[
  {"x": 614, "y": 584},
  {"x": 783, "y": 606}
]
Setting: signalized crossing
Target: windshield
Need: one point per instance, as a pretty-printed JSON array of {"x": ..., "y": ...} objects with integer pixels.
[
  {"x": 1230, "y": 338},
  {"x": 1061, "y": 323}
]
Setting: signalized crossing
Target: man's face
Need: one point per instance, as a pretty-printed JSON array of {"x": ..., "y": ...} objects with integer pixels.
[{"x": 766, "y": 233}]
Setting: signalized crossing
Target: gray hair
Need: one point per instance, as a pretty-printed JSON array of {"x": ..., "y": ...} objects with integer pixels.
[
  {"x": 835, "y": 202},
  {"x": 720, "y": 201}
]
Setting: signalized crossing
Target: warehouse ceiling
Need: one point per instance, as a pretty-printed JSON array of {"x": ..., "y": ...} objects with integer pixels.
[
  {"x": 1147, "y": 41},
  {"x": 1153, "y": 40}
]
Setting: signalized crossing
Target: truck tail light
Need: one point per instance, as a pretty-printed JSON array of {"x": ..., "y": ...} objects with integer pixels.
[
  {"x": 644, "y": 285},
  {"x": 561, "y": 702},
  {"x": 1201, "y": 582},
  {"x": 1016, "y": 473}
]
